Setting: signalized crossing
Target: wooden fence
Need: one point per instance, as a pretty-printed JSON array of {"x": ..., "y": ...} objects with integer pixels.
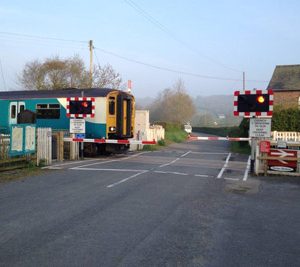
[
  {"x": 44, "y": 146},
  {"x": 261, "y": 159},
  {"x": 4, "y": 146}
]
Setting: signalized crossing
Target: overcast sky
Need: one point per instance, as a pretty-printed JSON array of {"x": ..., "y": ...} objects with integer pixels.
[{"x": 207, "y": 44}]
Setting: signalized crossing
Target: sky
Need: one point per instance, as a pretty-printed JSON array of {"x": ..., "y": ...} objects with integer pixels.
[{"x": 206, "y": 44}]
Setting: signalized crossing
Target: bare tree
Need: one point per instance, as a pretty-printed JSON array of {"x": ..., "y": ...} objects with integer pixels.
[
  {"x": 106, "y": 76},
  {"x": 56, "y": 73},
  {"x": 173, "y": 105}
]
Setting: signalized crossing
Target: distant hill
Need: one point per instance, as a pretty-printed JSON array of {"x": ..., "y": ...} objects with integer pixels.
[
  {"x": 215, "y": 104},
  {"x": 215, "y": 110}
]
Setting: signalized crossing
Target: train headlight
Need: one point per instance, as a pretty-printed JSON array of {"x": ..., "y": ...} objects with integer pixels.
[{"x": 112, "y": 129}]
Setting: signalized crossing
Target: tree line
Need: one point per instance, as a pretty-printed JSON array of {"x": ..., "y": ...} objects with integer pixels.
[
  {"x": 172, "y": 105},
  {"x": 54, "y": 73}
]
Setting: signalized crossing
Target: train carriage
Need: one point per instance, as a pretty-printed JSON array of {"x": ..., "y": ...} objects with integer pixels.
[{"x": 112, "y": 115}]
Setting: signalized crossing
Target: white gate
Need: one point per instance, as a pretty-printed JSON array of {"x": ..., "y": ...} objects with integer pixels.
[{"x": 44, "y": 146}]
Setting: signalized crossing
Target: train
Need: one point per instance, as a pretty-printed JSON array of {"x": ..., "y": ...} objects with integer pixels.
[{"x": 108, "y": 113}]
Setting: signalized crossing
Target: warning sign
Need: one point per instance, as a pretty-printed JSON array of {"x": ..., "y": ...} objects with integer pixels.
[
  {"x": 260, "y": 128},
  {"x": 282, "y": 164},
  {"x": 77, "y": 126}
]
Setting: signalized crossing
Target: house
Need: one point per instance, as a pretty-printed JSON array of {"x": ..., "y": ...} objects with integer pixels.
[{"x": 285, "y": 84}]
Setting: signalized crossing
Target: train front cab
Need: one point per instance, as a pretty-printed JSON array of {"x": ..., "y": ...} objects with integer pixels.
[{"x": 120, "y": 112}]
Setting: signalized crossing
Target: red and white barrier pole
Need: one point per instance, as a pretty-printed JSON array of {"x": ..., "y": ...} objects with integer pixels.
[{"x": 110, "y": 141}]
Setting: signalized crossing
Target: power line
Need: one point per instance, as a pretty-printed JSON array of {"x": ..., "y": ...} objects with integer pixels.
[
  {"x": 173, "y": 70},
  {"x": 155, "y": 22},
  {"x": 4, "y": 83},
  {"x": 41, "y": 37},
  {"x": 126, "y": 58}
]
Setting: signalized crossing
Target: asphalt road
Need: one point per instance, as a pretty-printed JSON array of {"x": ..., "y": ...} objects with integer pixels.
[{"x": 192, "y": 204}]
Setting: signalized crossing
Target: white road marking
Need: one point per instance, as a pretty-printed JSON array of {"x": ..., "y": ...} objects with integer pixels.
[
  {"x": 233, "y": 179},
  {"x": 203, "y": 175},
  {"x": 185, "y": 154},
  {"x": 71, "y": 163},
  {"x": 176, "y": 173},
  {"x": 167, "y": 164},
  {"x": 247, "y": 169},
  {"x": 209, "y": 153},
  {"x": 113, "y": 160},
  {"x": 224, "y": 167},
  {"x": 116, "y": 170},
  {"x": 52, "y": 168},
  {"x": 126, "y": 179}
]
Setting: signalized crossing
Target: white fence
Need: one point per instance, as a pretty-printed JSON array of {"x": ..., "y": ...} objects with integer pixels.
[
  {"x": 286, "y": 136},
  {"x": 155, "y": 132},
  {"x": 44, "y": 146}
]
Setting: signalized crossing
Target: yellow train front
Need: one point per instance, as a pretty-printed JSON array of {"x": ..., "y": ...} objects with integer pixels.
[{"x": 108, "y": 114}]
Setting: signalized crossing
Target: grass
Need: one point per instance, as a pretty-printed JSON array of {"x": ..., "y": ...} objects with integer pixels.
[
  {"x": 19, "y": 173},
  {"x": 240, "y": 147}
]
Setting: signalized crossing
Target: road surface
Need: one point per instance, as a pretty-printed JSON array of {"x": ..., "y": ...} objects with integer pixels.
[{"x": 192, "y": 204}]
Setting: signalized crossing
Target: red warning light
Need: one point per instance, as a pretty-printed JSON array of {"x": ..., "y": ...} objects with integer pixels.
[
  {"x": 85, "y": 104},
  {"x": 260, "y": 99}
]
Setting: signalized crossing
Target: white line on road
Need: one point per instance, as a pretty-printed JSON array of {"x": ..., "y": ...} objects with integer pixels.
[
  {"x": 167, "y": 164},
  {"x": 233, "y": 179},
  {"x": 185, "y": 154},
  {"x": 224, "y": 167},
  {"x": 247, "y": 169},
  {"x": 203, "y": 175},
  {"x": 71, "y": 163},
  {"x": 126, "y": 179},
  {"x": 209, "y": 153},
  {"x": 176, "y": 173},
  {"x": 109, "y": 161},
  {"x": 115, "y": 170}
]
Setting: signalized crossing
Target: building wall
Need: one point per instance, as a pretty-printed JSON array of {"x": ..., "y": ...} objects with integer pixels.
[
  {"x": 143, "y": 130},
  {"x": 286, "y": 99}
]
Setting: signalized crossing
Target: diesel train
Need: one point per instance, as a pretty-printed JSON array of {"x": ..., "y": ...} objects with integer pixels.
[{"x": 108, "y": 113}]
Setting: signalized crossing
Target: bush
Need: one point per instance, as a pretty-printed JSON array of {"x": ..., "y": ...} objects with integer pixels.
[
  {"x": 286, "y": 119},
  {"x": 161, "y": 142}
]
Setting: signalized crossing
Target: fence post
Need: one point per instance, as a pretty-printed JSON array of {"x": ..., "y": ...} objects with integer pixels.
[
  {"x": 44, "y": 146},
  {"x": 60, "y": 144},
  {"x": 74, "y": 149}
]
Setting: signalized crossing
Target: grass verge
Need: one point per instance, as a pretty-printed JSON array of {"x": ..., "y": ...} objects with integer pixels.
[
  {"x": 19, "y": 173},
  {"x": 240, "y": 147}
]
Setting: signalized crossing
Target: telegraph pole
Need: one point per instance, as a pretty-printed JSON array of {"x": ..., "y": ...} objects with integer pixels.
[
  {"x": 91, "y": 62},
  {"x": 244, "y": 81}
]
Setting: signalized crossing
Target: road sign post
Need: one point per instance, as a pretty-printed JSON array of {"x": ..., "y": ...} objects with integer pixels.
[
  {"x": 77, "y": 126},
  {"x": 257, "y": 105}
]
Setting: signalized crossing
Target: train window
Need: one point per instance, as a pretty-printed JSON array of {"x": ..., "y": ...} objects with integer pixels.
[
  {"x": 111, "y": 107},
  {"x": 13, "y": 111},
  {"x": 47, "y": 111},
  {"x": 22, "y": 108},
  {"x": 39, "y": 106},
  {"x": 54, "y": 106}
]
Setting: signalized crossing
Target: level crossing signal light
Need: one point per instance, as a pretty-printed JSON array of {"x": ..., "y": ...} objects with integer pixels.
[
  {"x": 253, "y": 103},
  {"x": 80, "y": 107}
]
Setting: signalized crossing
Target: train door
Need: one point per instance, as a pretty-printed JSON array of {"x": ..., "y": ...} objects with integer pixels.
[
  {"x": 124, "y": 116},
  {"x": 15, "y": 108}
]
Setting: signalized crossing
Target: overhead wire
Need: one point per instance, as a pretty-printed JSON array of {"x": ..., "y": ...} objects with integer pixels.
[
  {"x": 172, "y": 70},
  {"x": 158, "y": 24},
  {"x": 127, "y": 58},
  {"x": 40, "y": 37},
  {"x": 2, "y": 74}
]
